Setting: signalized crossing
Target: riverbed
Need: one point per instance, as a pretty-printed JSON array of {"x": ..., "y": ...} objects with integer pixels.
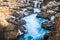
[{"x": 33, "y": 26}]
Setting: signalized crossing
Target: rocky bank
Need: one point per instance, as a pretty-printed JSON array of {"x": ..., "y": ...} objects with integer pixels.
[
  {"x": 51, "y": 10},
  {"x": 9, "y": 24}
]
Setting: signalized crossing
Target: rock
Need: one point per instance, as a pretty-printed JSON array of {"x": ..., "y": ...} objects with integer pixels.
[
  {"x": 18, "y": 15},
  {"x": 57, "y": 30},
  {"x": 26, "y": 11},
  {"x": 9, "y": 32},
  {"x": 47, "y": 35},
  {"x": 30, "y": 8},
  {"x": 16, "y": 21},
  {"x": 41, "y": 15},
  {"x": 48, "y": 9},
  {"x": 22, "y": 22},
  {"x": 46, "y": 6},
  {"x": 48, "y": 25},
  {"x": 46, "y": 14},
  {"x": 22, "y": 29}
]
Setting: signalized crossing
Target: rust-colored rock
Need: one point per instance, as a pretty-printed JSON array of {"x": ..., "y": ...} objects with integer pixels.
[{"x": 57, "y": 21}]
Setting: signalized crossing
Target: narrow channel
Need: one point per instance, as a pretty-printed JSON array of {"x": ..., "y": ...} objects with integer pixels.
[{"x": 33, "y": 26}]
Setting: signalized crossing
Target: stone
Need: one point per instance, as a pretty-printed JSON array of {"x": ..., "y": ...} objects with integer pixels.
[
  {"x": 9, "y": 32},
  {"x": 47, "y": 35},
  {"x": 22, "y": 22},
  {"x": 22, "y": 29},
  {"x": 30, "y": 8},
  {"x": 16, "y": 21},
  {"x": 43, "y": 15},
  {"x": 48, "y": 25},
  {"x": 46, "y": 14},
  {"x": 55, "y": 6},
  {"x": 18, "y": 15}
]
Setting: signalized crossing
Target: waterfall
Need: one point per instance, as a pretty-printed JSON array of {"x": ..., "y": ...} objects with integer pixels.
[
  {"x": 52, "y": 18},
  {"x": 19, "y": 32},
  {"x": 36, "y": 2}
]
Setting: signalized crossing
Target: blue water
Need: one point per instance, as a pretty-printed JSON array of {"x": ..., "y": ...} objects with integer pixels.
[{"x": 33, "y": 26}]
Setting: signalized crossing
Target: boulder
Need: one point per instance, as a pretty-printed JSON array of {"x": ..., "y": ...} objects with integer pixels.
[
  {"x": 22, "y": 22},
  {"x": 18, "y": 15},
  {"x": 24, "y": 5},
  {"x": 48, "y": 25},
  {"x": 22, "y": 29},
  {"x": 46, "y": 13},
  {"x": 16, "y": 21},
  {"x": 49, "y": 35},
  {"x": 9, "y": 33}
]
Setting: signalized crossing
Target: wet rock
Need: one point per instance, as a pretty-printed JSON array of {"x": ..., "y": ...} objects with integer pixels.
[
  {"x": 55, "y": 6},
  {"x": 16, "y": 21},
  {"x": 57, "y": 22},
  {"x": 46, "y": 14},
  {"x": 41, "y": 15},
  {"x": 47, "y": 35},
  {"x": 48, "y": 25},
  {"x": 48, "y": 9},
  {"x": 22, "y": 30},
  {"x": 22, "y": 22},
  {"x": 18, "y": 15},
  {"x": 30, "y": 8},
  {"x": 27, "y": 11}
]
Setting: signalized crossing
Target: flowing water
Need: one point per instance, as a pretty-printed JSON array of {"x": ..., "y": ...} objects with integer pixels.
[
  {"x": 33, "y": 26},
  {"x": 36, "y": 3}
]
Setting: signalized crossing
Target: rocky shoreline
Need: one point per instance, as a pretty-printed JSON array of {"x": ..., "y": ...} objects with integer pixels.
[{"x": 48, "y": 9}]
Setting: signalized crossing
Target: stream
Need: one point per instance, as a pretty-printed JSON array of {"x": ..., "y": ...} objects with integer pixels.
[{"x": 33, "y": 26}]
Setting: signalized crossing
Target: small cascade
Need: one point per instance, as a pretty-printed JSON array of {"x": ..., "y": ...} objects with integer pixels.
[
  {"x": 52, "y": 18},
  {"x": 36, "y": 3}
]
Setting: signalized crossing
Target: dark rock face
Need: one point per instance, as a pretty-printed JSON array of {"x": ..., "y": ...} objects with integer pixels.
[
  {"x": 51, "y": 8},
  {"x": 22, "y": 29},
  {"x": 41, "y": 15},
  {"x": 48, "y": 9},
  {"x": 16, "y": 21},
  {"x": 9, "y": 33},
  {"x": 57, "y": 22},
  {"x": 30, "y": 8},
  {"x": 46, "y": 36},
  {"x": 48, "y": 25},
  {"x": 49, "y": 36},
  {"x": 22, "y": 22},
  {"x": 18, "y": 15},
  {"x": 25, "y": 5},
  {"x": 46, "y": 15}
]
